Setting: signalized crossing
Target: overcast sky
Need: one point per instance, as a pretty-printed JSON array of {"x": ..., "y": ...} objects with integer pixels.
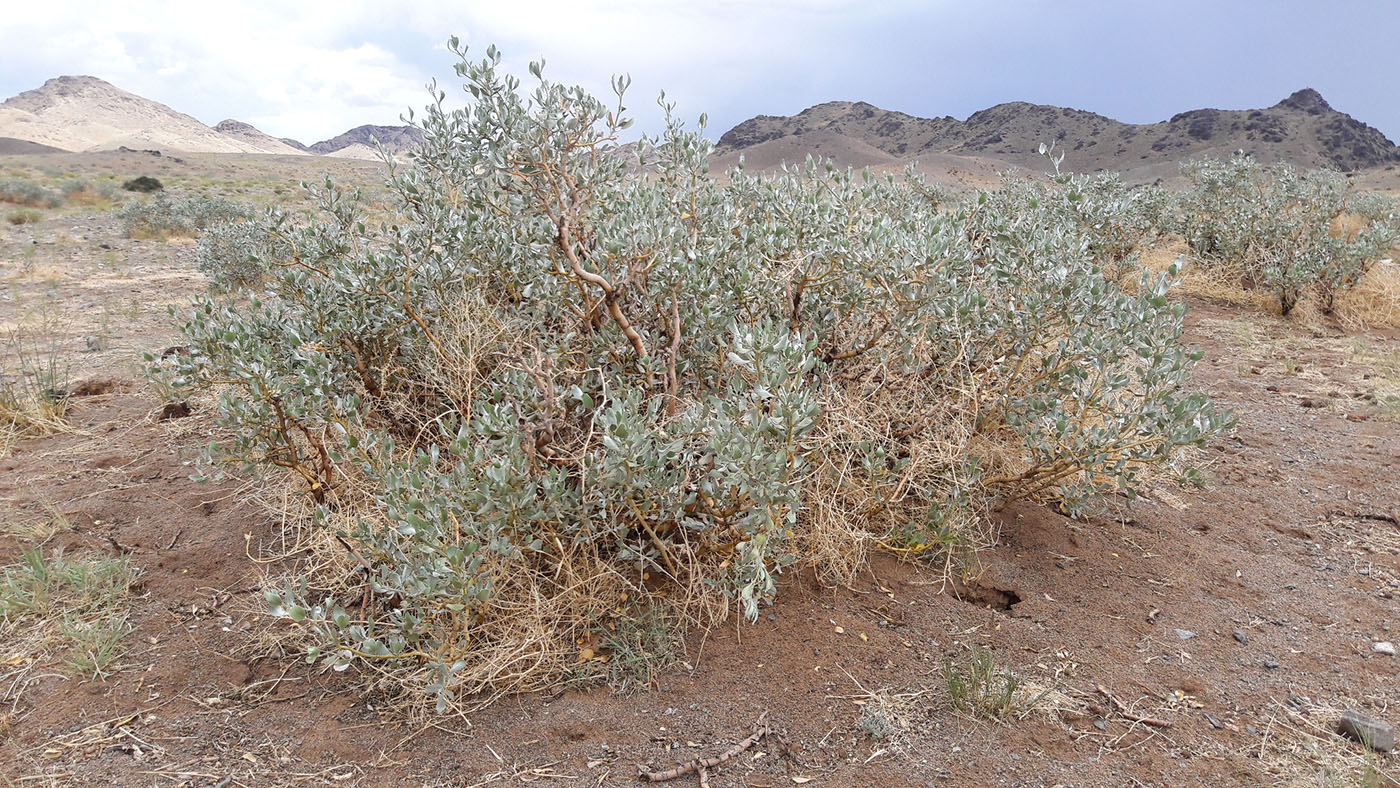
[{"x": 311, "y": 69}]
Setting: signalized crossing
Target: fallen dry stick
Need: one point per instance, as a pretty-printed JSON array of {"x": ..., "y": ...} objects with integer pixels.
[
  {"x": 1128, "y": 715},
  {"x": 702, "y": 766}
]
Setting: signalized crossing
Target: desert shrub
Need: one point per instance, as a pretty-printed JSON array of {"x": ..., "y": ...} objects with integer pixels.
[
  {"x": 24, "y": 216},
  {"x": 28, "y": 193},
  {"x": 143, "y": 184},
  {"x": 1277, "y": 229},
  {"x": 83, "y": 191},
  {"x": 163, "y": 217},
  {"x": 560, "y": 386},
  {"x": 239, "y": 254}
]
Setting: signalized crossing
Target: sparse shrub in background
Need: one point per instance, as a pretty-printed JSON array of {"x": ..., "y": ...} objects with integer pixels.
[
  {"x": 24, "y": 216},
  {"x": 163, "y": 217},
  {"x": 239, "y": 254},
  {"x": 1285, "y": 232},
  {"x": 1373, "y": 206},
  {"x": 83, "y": 192},
  {"x": 555, "y": 386},
  {"x": 28, "y": 193},
  {"x": 144, "y": 184}
]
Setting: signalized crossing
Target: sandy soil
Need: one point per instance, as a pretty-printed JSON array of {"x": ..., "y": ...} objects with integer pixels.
[{"x": 1201, "y": 636}]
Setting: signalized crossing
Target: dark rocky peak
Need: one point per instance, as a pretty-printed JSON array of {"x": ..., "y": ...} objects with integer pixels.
[
  {"x": 1306, "y": 100},
  {"x": 396, "y": 138}
]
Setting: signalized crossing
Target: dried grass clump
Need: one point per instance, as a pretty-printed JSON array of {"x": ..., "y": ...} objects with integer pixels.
[
  {"x": 1375, "y": 301},
  {"x": 1302, "y": 749},
  {"x": 979, "y": 685},
  {"x": 575, "y": 625},
  {"x": 33, "y": 385},
  {"x": 71, "y": 608}
]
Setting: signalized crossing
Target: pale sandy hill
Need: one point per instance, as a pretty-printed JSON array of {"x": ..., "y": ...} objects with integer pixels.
[
  {"x": 250, "y": 134},
  {"x": 355, "y": 151},
  {"x": 86, "y": 113}
]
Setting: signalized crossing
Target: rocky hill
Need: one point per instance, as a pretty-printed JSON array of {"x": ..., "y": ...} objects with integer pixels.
[
  {"x": 398, "y": 139},
  {"x": 251, "y": 135},
  {"x": 1303, "y": 129}
]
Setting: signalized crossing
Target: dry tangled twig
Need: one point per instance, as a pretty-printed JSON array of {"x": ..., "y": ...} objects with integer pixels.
[{"x": 701, "y": 766}]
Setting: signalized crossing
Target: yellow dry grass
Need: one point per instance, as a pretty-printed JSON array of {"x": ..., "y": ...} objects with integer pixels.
[
  {"x": 1301, "y": 749},
  {"x": 1210, "y": 283},
  {"x": 1375, "y": 301}
]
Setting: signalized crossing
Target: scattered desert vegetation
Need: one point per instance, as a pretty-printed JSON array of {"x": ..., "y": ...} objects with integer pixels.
[
  {"x": 163, "y": 217},
  {"x": 28, "y": 194},
  {"x": 538, "y": 411}
]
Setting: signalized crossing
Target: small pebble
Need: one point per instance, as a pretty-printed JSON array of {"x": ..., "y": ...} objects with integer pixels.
[
  {"x": 1241, "y": 638},
  {"x": 1270, "y": 665},
  {"x": 1384, "y": 647},
  {"x": 1101, "y": 725},
  {"x": 1185, "y": 634}
]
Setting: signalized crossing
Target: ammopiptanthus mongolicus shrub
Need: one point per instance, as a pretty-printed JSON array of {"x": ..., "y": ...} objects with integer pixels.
[
  {"x": 1276, "y": 229},
  {"x": 566, "y": 382}
]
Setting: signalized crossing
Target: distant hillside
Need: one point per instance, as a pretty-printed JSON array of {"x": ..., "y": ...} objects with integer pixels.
[
  {"x": 85, "y": 113},
  {"x": 397, "y": 138},
  {"x": 10, "y": 145},
  {"x": 1303, "y": 129},
  {"x": 81, "y": 113},
  {"x": 251, "y": 135}
]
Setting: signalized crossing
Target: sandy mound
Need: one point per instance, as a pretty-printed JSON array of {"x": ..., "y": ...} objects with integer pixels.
[
  {"x": 356, "y": 151},
  {"x": 250, "y": 134}
]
